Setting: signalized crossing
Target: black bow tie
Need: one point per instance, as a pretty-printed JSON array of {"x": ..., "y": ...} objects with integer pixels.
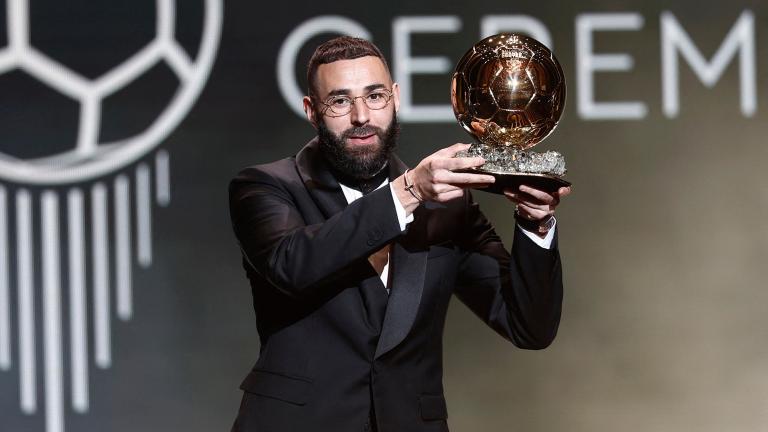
[
  {"x": 370, "y": 185},
  {"x": 366, "y": 186}
]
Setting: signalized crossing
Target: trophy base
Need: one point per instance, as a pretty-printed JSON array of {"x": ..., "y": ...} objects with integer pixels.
[{"x": 513, "y": 180}]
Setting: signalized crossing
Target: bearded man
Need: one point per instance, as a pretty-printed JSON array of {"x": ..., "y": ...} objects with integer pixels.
[{"x": 353, "y": 258}]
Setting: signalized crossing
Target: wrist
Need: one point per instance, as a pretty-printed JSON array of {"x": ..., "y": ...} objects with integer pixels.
[
  {"x": 539, "y": 227},
  {"x": 410, "y": 187},
  {"x": 409, "y": 198}
]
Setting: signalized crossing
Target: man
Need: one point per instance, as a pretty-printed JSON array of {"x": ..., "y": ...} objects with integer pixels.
[{"x": 352, "y": 261}]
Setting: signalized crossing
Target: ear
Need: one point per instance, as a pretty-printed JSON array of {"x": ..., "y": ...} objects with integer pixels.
[
  {"x": 309, "y": 110},
  {"x": 396, "y": 96}
]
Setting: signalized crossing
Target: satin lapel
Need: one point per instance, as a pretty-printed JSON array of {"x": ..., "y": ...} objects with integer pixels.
[
  {"x": 322, "y": 186},
  {"x": 408, "y": 272}
]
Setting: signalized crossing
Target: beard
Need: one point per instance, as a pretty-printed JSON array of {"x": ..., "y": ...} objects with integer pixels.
[{"x": 359, "y": 162}]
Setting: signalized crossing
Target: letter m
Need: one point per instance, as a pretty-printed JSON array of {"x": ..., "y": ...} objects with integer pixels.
[{"x": 739, "y": 40}]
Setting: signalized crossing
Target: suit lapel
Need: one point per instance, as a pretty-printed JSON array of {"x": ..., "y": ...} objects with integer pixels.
[
  {"x": 408, "y": 272},
  {"x": 408, "y": 263},
  {"x": 320, "y": 183}
]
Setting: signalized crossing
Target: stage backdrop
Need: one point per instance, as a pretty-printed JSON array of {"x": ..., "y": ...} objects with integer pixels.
[{"x": 123, "y": 305}]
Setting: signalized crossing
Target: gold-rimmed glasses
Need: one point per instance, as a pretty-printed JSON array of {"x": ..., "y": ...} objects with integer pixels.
[{"x": 341, "y": 105}]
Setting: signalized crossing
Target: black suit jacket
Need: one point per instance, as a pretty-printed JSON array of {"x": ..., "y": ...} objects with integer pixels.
[{"x": 334, "y": 346}]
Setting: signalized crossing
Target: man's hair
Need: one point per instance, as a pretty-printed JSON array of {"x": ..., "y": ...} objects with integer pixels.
[{"x": 340, "y": 48}]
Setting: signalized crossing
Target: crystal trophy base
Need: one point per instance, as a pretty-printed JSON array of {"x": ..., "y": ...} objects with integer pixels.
[{"x": 513, "y": 167}]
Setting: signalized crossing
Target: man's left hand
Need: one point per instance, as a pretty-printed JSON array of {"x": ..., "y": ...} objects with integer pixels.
[{"x": 534, "y": 204}]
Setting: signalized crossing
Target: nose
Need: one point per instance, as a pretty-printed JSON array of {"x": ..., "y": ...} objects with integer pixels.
[{"x": 359, "y": 113}]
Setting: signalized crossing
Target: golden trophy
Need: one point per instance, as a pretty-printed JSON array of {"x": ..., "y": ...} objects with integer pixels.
[{"x": 508, "y": 92}]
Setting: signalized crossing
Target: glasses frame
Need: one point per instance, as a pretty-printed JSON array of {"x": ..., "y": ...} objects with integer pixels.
[{"x": 328, "y": 110}]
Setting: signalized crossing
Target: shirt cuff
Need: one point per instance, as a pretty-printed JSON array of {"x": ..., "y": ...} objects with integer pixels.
[
  {"x": 545, "y": 242},
  {"x": 402, "y": 218}
]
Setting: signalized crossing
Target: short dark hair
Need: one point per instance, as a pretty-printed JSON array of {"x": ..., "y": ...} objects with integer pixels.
[{"x": 340, "y": 48}]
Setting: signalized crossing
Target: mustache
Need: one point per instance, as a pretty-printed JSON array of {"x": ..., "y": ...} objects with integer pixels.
[{"x": 359, "y": 131}]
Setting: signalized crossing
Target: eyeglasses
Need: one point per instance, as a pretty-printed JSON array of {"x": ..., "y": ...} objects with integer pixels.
[{"x": 338, "y": 106}]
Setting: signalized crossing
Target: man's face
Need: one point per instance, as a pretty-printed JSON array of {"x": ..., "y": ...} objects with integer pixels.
[{"x": 357, "y": 143}]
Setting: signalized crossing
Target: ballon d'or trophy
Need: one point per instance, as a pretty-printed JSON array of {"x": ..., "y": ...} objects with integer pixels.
[{"x": 508, "y": 92}]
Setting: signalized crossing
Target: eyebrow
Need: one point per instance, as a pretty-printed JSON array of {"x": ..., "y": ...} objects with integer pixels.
[{"x": 369, "y": 88}]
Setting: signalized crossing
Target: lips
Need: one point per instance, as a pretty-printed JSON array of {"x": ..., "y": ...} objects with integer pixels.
[{"x": 362, "y": 139}]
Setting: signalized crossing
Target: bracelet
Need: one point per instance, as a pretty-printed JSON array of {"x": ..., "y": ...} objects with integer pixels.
[{"x": 409, "y": 187}]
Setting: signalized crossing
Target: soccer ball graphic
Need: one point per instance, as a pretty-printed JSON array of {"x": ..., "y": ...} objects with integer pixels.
[
  {"x": 90, "y": 156},
  {"x": 508, "y": 90}
]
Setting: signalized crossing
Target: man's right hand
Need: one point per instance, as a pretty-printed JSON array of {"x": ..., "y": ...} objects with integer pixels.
[{"x": 433, "y": 178}]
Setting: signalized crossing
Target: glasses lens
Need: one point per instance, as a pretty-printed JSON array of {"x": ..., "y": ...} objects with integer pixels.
[
  {"x": 338, "y": 105},
  {"x": 377, "y": 100}
]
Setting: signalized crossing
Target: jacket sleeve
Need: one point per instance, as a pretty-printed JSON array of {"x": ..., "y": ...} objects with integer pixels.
[
  {"x": 520, "y": 294},
  {"x": 297, "y": 258}
]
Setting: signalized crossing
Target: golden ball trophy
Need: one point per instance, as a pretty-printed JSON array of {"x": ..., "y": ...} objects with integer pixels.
[{"x": 508, "y": 92}]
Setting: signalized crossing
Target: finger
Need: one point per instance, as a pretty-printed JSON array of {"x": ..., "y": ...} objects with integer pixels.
[
  {"x": 533, "y": 213},
  {"x": 452, "y": 150},
  {"x": 538, "y": 194},
  {"x": 544, "y": 209},
  {"x": 564, "y": 191},
  {"x": 535, "y": 209},
  {"x": 524, "y": 197},
  {"x": 455, "y": 163},
  {"x": 533, "y": 205},
  {"x": 512, "y": 196},
  {"x": 462, "y": 178},
  {"x": 444, "y": 188},
  {"x": 443, "y": 197}
]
